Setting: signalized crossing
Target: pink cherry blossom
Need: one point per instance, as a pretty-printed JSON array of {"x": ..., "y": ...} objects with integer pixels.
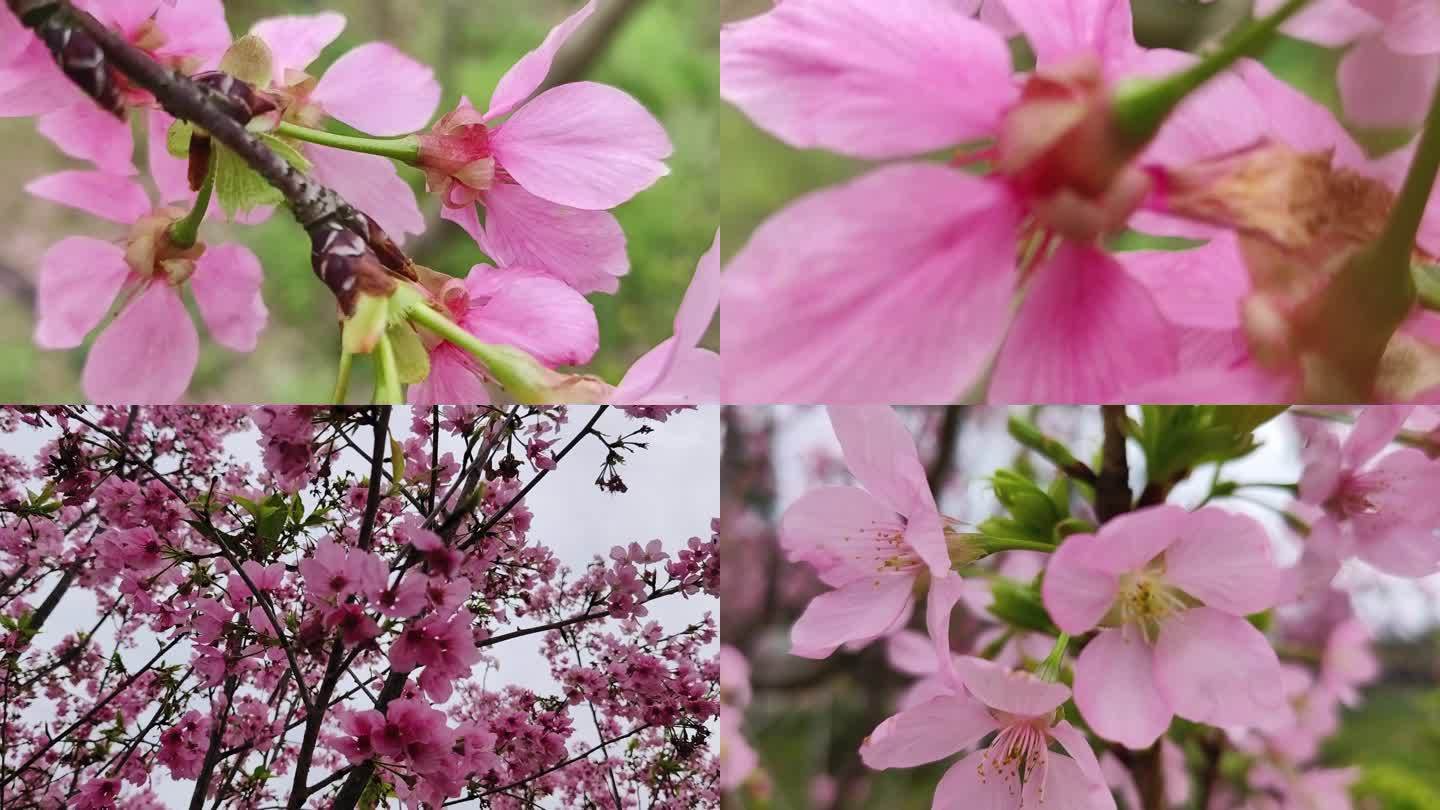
[
  {"x": 1017, "y": 768},
  {"x": 372, "y": 87},
  {"x": 916, "y": 278},
  {"x": 547, "y": 173},
  {"x": 443, "y": 645},
  {"x": 149, "y": 351},
  {"x": 516, "y": 307},
  {"x": 871, "y": 543},
  {"x": 334, "y": 573},
  {"x": 679, "y": 371},
  {"x": 1382, "y": 507},
  {"x": 1172, "y": 589}
]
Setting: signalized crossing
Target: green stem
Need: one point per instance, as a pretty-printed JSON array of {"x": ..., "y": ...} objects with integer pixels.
[
  {"x": 387, "y": 374},
  {"x": 184, "y": 232},
  {"x": 342, "y": 378},
  {"x": 1050, "y": 669},
  {"x": 991, "y": 545},
  {"x": 450, "y": 331},
  {"x": 406, "y": 149},
  {"x": 1141, "y": 106},
  {"x": 1397, "y": 242}
]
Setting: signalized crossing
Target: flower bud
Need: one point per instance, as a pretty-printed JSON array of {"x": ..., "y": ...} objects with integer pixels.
[{"x": 456, "y": 157}]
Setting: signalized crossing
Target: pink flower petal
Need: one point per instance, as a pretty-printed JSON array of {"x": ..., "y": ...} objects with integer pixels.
[
  {"x": 1321, "y": 476},
  {"x": 1299, "y": 120},
  {"x": 841, "y": 528},
  {"x": 531, "y": 311},
  {"x": 1077, "y": 594},
  {"x": 453, "y": 381},
  {"x": 894, "y": 286},
  {"x": 376, "y": 88},
  {"x": 371, "y": 184},
  {"x": 1130, "y": 541},
  {"x": 585, "y": 249},
  {"x": 146, "y": 355},
  {"x": 1075, "y": 744},
  {"x": 527, "y": 74},
  {"x": 1059, "y": 30},
  {"x": 110, "y": 196},
  {"x": 1414, "y": 28},
  {"x": 693, "y": 378},
  {"x": 126, "y": 15},
  {"x": 1116, "y": 692},
  {"x": 227, "y": 290},
  {"x": 963, "y": 786},
  {"x": 79, "y": 279},
  {"x": 1241, "y": 578},
  {"x": 1248, "y": 382},
  {"x": 860, "y": 611},
  {"x": 1382, "y": 88},
  {"x": 194, "y": 29},
  {"x": 692, "y": 320},
  {"x": 1218, "y": 669},
  {"x": 1086, "y": 332},
  {"x": 1201, "y": 288},
  {"x": 296, "y": 40},
  {"x": 14, "y": 37},
  {"x": 86, "y": 132},
  {"x": 584, "y": 145},
  {"x": 1010, "y": 690},
  {"x": 866, "y": 79},
  {"x": 1065, "y": 777},
  {"x": 169, "y": 172},
  {"x": 1375, "y": 427},
  {"x": 939, "y": 606},
  {"x": 933, "y": 730},
  {"x": 881, "y": 454},
  {"x": 31, "y": 84},
  {"x": 1332, "y": 23}
]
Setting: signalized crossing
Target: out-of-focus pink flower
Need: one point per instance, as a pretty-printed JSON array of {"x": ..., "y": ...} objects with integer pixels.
[
  {"x": 187, "y": 38},
  {"x": 737, "y": 758},
  {"x": 1017, "y": 769},
  {"x": 869, "y": 543},
  {"x": 516, "y": 307},
  {"x": 678, "y": 371},
  {"x": 1384, "y": 510},
  {"x": 98, "y": 794},
  {"x": 149, "y": 351},
  {"x": 1172, "y": 588},
  {"x": 916, "y": 278},
  {"x": 374, "y": 88},
  {"x": 547, "y": 173}
]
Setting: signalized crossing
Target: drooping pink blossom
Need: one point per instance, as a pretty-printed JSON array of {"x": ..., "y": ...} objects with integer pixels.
[
  {"x": 911, "y": 281},
  {"x": 516, "y": 307},
  {"x": 149, "y": 351},
  {"x": 871, "y": 543},
  {"x": 546, "y": 169},
  {"x": 1171, "y": 589},
  {"x": 374, "y": 88}
]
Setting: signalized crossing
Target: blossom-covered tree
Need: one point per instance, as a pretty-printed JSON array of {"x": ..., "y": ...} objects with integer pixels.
[
  {"x": 244, "y": 123},
  {"x": 1148, "y": 608},
  {"x": 315, "y": 607}
]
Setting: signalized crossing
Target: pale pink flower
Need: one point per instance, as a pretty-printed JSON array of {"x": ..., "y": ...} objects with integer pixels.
[
  {"x": 1392, "y": 55},
  {"x": 678, "y": 371},
  {"x": 374, "y": 88},
  {"x": 189, "y": 38},
  {"x": 1171, "y": 589},
  {"x": 870, "y": 543},
  {"x": 737, "y": 758},
  {"x": 908, "y": 283},
  {"x": 149, "y": 351},
  {"x": 1382, "y": 510},
  {"x": 547, "y": 172},
  {"x": 1017, "y": 768},
  {"x": 517, "y": 307}
]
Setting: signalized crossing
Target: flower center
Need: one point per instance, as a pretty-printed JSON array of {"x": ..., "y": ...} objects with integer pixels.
[
  {"x": 1146, "y": 599},
  {"x": 1019, "y": 753}
]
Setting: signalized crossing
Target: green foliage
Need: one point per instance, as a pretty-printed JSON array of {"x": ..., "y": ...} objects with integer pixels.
[
  {"x": 1396, "y": 789},
  {"x": 1034, "y": 513},
  {"x": 1179, "y": 438},
  {"x": 1019, "y": 604}
]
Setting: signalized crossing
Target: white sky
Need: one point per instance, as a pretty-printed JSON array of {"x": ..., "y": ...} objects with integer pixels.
[
  {"x": 674, "y": 491},
  {"x": 1390, "y": 605}
]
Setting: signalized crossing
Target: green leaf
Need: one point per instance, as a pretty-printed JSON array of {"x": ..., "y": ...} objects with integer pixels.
[
  {"x": 1178, "y": 438},
  {"x": 397, "y": 461},
  {"x": 177, "y": 139},
  {"x": 249, "y": 59},
  {"x": 239, "y": 188},
  {"x": 1019, "y": 604},
  {"x": 411, "y": 360}
]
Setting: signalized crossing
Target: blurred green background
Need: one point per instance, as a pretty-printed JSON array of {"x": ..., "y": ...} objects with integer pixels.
[{"x": 663, "y": 52}]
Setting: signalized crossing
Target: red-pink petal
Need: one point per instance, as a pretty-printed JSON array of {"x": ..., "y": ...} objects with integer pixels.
[
  {"x": 585, "y": 249},
  {"x": 87, "y": 132},
  {"x": 146, "y": 355},
  {"x": 376, "y": 88},
  {"x": 530, "y": 71},
  {"x": 1060, "y": 31},
  {"x": 453, "y": 381},
  {"x": 1332, "y": 23},
  {"x": 896, "y": 286},
  {"x": 692, "y": 320},
  {"x": 1382, "y": 88},
  {"x": 371, "y": 184},
  {"x": 111, "y": 196},
  {"x": 194, "y": 29},
  {"x": 227, "y": 290},
  {"x": 693, "y": 378},
  {"x": 1116, "y": 692},
  {"x": 583, "y": 145},
  {"x": 79, "y": 279},
  {"x": 871, "y": 80},
  {"x": 1201, "y": 288},
  {"x": 531, "y": 311},
  {"x": 296, "y": 40}
]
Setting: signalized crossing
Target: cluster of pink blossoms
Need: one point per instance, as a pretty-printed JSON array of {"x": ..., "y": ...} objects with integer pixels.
[
  {"x": 545, "y": 167},
  {"x": 1159, "y": 612},
  {"x": 933, "y": 282}
]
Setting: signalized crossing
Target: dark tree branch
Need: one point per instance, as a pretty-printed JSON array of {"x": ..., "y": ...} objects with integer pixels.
[{"x": 1112, "y": 484}]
